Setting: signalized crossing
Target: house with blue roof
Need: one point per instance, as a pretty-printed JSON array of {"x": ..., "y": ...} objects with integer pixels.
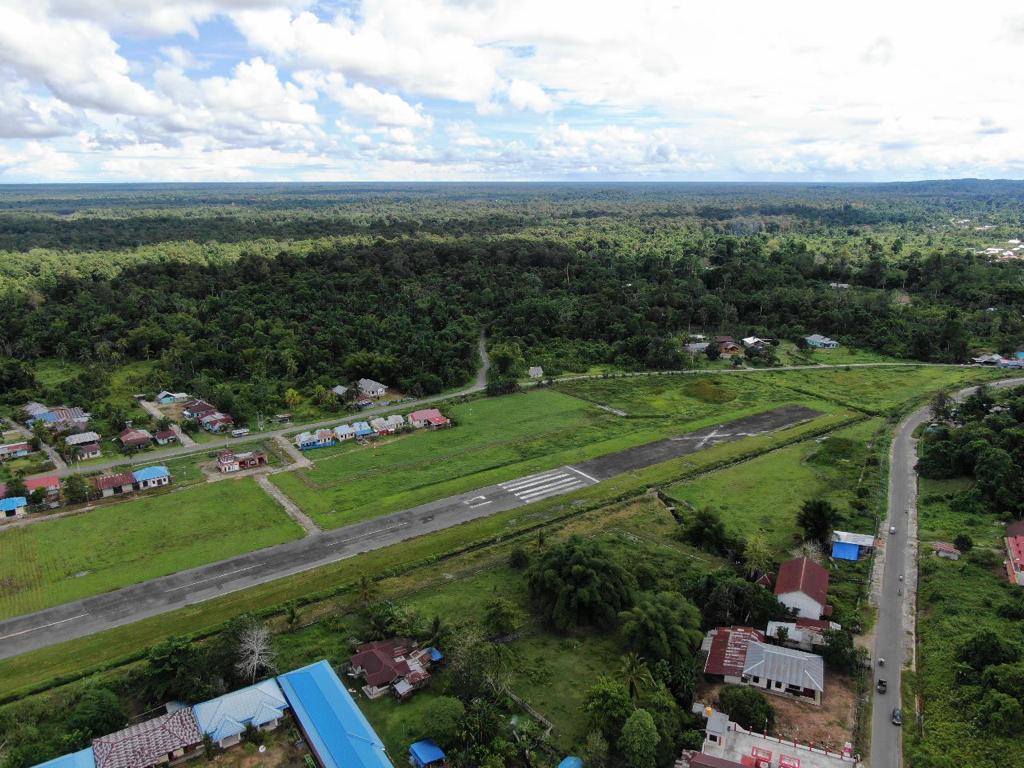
[
  {"x": 426, "y": 754},
  {"x": 225, "y": 718},
  {"x": 363, "y": 429},
  {"x": 151, "y": 477},
  {"x": 344, "y": 432},
  {"x": 338, "y": 733},
  {"x": 81, "y": 759},
  {"x": 15, "y": 506}
]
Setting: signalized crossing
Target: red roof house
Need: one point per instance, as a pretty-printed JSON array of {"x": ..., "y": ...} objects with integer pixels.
[
  {"x": 728, "y": 650},
  {"x": 802, "y": 585},
  {"x": 428, "y": 417},
  {"x": 165, "y": 436},
  {"x": 109, "y": 485},
  {"x": 386, "y": 663},
  {"x": 135, "y": 438},
  {"x": 1015, "y": 555}
]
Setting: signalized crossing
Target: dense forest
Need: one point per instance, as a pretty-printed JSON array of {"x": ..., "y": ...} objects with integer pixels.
[{"x": 240, "y": 293}]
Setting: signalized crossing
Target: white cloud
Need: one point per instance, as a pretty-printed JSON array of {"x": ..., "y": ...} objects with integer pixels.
[
  {"x": 158, "y": 17},
  {"x": 382, "y": 108},
  {"x": 523, "y": 94},
  {"x": 33, "y": 160},
  {"x": 27, "y": 115}
]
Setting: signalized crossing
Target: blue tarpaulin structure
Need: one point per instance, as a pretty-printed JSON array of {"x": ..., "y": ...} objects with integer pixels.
[
  {"x": 842, "y": 550},
  {"x": 425, "y": 753},
  {"x": 339, "y": 734},
  {"x": 82, "y": 759},
  {"x": 571, "y": 762}
]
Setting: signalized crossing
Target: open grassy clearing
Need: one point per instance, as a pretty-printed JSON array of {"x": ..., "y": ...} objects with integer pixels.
[
  {"x": 121, "y": 645},
  {"x": 955, "y": 600},
  {"x": 61, "y": 560},
  {"x": 500, "y": 439}
]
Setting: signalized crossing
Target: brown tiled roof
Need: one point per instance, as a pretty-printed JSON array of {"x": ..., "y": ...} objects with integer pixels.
[
  {"x": 147, "y": 744},
  {"x": 114, "y": 481},
  {"x": 165, "y": 434},
  {"x": 729, "y": 650},
  {"x": 803, "y": 575}
]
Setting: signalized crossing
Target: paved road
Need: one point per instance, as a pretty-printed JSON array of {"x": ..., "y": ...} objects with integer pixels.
[
  {"x": 894, "y": 639},
  {"x": 123, "y": 606},
  {"x": 479, "y": 385}
]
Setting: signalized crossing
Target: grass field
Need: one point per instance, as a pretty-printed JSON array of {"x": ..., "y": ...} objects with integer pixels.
[
  {"x": 955, "y": 600},
  {"x": 60, "y": 560},
  {"x": 503, "y": 438}
]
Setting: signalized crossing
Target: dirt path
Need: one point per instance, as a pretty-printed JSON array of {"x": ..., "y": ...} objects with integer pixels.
[
  {"x": 300, "y": 459},
  {"x": 290, "y": 506},
  {"x": 153, "y": 410}
]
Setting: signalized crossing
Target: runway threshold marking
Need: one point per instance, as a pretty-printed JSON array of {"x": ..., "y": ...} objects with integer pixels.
[
  {"x": 584, "y": 474},
  {"x": 42, "y": 626}
]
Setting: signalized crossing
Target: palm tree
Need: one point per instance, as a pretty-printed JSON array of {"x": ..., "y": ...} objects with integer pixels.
[
  {"x": 367, "y": 590},
  {"x": 635, "y": 674},
  {"x": 438, "y": 632}
]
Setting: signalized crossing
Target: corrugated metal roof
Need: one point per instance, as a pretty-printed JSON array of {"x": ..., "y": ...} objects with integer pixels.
[
  {"x": 228, "y": 715},
  {"x": 81, "y": 759},
  {"x": 728, "y": 649},
  {"x": 150, "y": 473},
  {"x": 337, "y": 730},
  {"x": 13, "y": 503},
  {"x": 860, "y": 539},
  {"x": 785, "y": 665}
]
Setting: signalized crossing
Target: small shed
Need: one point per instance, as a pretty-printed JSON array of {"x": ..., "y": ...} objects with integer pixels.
[
  {"x": 851, "y": 546},
  {"x": 536, "y": 372},
  {"x": 426, "y": 753},
  {"x": 946, "y": 550}
]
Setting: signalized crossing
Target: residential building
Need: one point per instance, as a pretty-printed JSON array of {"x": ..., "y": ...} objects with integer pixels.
[
  {"x": 87, "y": 451},
  {"x": 431, "y": 418},
  {"x": 196, "y": 409},
  {"x": 338, "y": 733},
  {"x": 802, "y": 585},
  {"x": 726, "y": 649},
  {"x": 155, "y": 742},
  {"x": 727, "y": 346},
  {"x": 817, "y": 341},
  {"x": 81, "y": 759},
  {"x": 49, "y": 483},
  {"x": 753, "y": 342},
  {"x": 697, "y": 347},
  {"x": 322, "y": 438},
  {"x": 988, "y": 359},
  {"x": 216, "y": 422},
  {"x": 340, "y": 391},
  {"x": 379, "y": 426},
  {"x": 229, "y": 461},
  {"x": 396, "y": 665},
  {"x": 225, "y": 718},
  {"x": 803, "y": 634},
  {"x": 169, "y": 398},
  {"x": 114, "y": 485},
  {"x": 165, "y": 436},
  {"x": 14, "y": 451},
  {"x": 395, "y": 422},
  {"x": 784, "y": 671},
  {"x": 851, "y": 546},
  {"x": 946, "y": 550},
  {"x": 363, "y": 430},
  {"x": 1015, "y": 552},
  {"x": 135, "y": 439},
  {"x": 536, "y": 372},
  {"x": 82, "y": 438},
  {"x": 14, "y": 506},
  {"x": 344, "y": 432},
  {"x": 371, "y": 388},
  {"x": 151, "y": 477}
]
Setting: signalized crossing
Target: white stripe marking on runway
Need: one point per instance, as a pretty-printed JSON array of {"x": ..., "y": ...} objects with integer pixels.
[
  {"x": 565, "y": 485},
  {"x": 212, "y": 578},
  {"x": 364, "y": 535},
  {"x": 42, "y": 626},
  {"x": 584, "y": 474},
  {"x": 515, "y": 485}
]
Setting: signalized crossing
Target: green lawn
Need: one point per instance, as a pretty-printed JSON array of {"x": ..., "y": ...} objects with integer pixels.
[
  {"x": 61, "y": 560},
  {"x": 497, "y": 439},
  {"x": 955, "y": 600}
]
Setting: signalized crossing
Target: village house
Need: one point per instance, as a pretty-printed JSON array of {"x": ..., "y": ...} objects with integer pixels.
[
  {"x": 151, "y": 477},
  {"x": 322, "y": 438},
  {"x": 536, "y": 372},
  {"x": 14, "y": 451},
  {"x": 60, "y": 418},
  {"x": 196, "y": 409},
  {"x": 344, "y": 432},
  {"x": 170, "y": 398},
  {"x": 165, "y": 436},
  {"x": 727, "y": 346},
  {"x": 753, "y": 342},
  {"x": 363, "y": 430},
  {"x": 430, "y": 418},
  {"x": 135, "y": 439},
  {"x": 395, "y": 665},
  {"x": 15, "y": 506},
  {"x": 229, "y": 461},
  {"x": 379, "y": 426},
  {"x": 987, "y": 359},
  {"x": 697, "y": 347},
  {"x": 395, "y": 422},
  {"x": 851, "y": 546},
  {"x": 946, "y": 550},
  {"x": 817, "y": 341},
  {"x": 114, "y": 485},
  {"x": 340, "y": 391},
  {"x": 87, "y": 451},
  {"x": 225, "y": 718},
  {"x": 216, "y": 422},
  {"x": 371, "y": 388},
  {"x": 81, "y": 438},
  {"x": 50, "y": 484},
  {"x": 803, "y": 634},
  {"x": 726, "y": 649},
  {"x": 1015, "y": 552},
  {"x": 740, "y": 656},
  {"x": 162, "y": 740},
  {"x": 802, "y": 585}
]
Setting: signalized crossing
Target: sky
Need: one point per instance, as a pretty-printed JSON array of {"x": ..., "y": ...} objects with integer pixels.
[{"x": 496, "y": 90}]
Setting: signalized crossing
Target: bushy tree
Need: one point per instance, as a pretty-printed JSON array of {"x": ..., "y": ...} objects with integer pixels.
[
  {"x": 706, "y": 531},
  {"x": 439, "y": 719},
  {"x": 500, "y": 618},
  {"x": 747, "y": 706},
  {"x": 984, "y": 649},
  {"x": 999, "y": 713},
  {"x": 97, "y": 712},
  {"x": 662, "y": 625},
  {"x": 818, "y": 517},
  {"x": 607, "y": 705},
  {"x": 579, "y": 583},
  {"x": 639, "y": 740}
]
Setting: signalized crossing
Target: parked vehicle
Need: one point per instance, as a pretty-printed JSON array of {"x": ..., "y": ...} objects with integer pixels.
[
  {"x": 239, "y": 432},
  {"x": 882, "y": 686}
]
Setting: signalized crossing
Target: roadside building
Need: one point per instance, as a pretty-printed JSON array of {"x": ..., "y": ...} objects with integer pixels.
[
  {"x": 802, "y": 634},
  {"x": 817, "y": 341},
  {"x": 784, "y": 671},
  {"x": 225, "y": 718},
  {"x": 851, "y": 546},
  {"x": 14, "y": 451},
  {"x": 81, "y": 438},
  {"x": 379, "y": 426},
  {"x": 196, "y": 409},
  {"x": 344, "y": 432},
  {"x": 216, "y": 422},
  {"x": 753, "y": 342},
  {"x": 114, "y": 485},
  {"x": 946, "y": 550},
  {"x": 135, "y": 439},
  {"x": 165, "y": 437},
  {"x": 50, "y": 484},
  {"x": 395, "y": 422},
  {"x": 151, "y": 477},
  {"x": 337, "y": 732},
  {"x": 87, "y": 451},
  {"x": 165, "y": 739},
  {"x": 727, "y": 346},
  {"x": 14, "y": 506},
  {"x": 363, "y": 430},
  {"x": 726, "y": 649},
  {"x": 304, "y": 441},
  {"x": 229, "y": 461},
  {"x": 371, "y": 388},
  {"x": 802, "y": 585},
  {"x": 170, "y": 398},
  {"x": 430, "y": 418}
]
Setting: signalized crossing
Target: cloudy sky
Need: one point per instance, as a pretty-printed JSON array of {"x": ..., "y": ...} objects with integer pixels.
[{"x": 203, "y": 90}]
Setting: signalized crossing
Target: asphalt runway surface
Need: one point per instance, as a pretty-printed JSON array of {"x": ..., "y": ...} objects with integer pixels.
[{"x": 139, "y": 601}]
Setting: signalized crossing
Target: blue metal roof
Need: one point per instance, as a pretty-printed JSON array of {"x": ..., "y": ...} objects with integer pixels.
[
  {"x": 338, "y": 732},
  {"x": 571, "y": 762},
  {"x": 83, "y": 759},
  {"x": 12, "y": 503},
  {"x": 150, "y": 473},
  {"x": 425, "y": 752},
  {"x": 228, "y": 715},
  {"x": 842, "y": 550}
]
